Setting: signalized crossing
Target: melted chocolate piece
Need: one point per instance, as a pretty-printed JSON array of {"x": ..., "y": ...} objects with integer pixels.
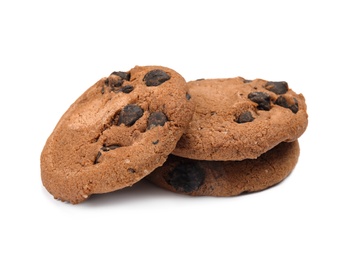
[
  {"x": 109, "y": 147},
  {"x": 294, "y": 107},
  {"x": 105, "y": 148},
  {"x": 115, "y": 83},
  {"x": 262, "y": 99},
  {"x": 155, "y": 119},
  {"x": 130, "y": 114},
  {"x": 155, "y": 78},
  {"x": 245, "y": 117},
  {"x": 186, "y": 177},
  {"x": 97, "y": 157},
  {"x": 127, "y": 89},
  {"x": 122, "y": 75},
  {"x": 278, "y": 87},
  {"x": 282, "y": 101}
]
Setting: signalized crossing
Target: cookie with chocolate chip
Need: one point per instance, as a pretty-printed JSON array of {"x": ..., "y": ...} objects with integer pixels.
[
  {"x": 226, "y": 178},
  {"x": 238, "y": 119},
  {"x": 116, "y": 133}
]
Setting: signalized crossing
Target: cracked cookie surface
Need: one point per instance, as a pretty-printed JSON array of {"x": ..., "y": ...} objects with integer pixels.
[
  {"x": 237, "y": 119},
  {"x": 226, "y": 178},
  {"x": 116, "y": 133}
]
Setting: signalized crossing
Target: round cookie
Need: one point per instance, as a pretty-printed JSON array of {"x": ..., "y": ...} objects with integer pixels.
[
  {"x": 116, "y": 133},
  {"x": 238, "y": 119},
  {"x": 226, "y": 178}
]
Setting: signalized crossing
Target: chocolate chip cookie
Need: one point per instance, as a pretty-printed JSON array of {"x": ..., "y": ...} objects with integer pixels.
[
  {"x": 238, "y": 119},
  {"x": 226, "y": 178},
  {"x": 116, "y": 133}
]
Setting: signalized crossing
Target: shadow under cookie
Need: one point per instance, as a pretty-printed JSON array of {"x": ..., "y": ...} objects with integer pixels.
[{"x": 226, "y": 178}]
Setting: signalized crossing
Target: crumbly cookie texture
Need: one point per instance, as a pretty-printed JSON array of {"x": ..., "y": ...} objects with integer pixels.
[
  {"x": 116, "y": 133},
  {"x": 238, "y": 119},
  {"x": 226, "y": 178}
]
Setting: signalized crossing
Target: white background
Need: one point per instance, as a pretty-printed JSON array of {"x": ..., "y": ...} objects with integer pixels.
[{"x": 51, "y": 52}]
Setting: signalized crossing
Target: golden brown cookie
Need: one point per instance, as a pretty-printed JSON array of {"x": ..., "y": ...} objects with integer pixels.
[
  {"x": 226, "y": 178},
  {"x": 238, "y": 119},
  {"x": 116, "y": 133}
]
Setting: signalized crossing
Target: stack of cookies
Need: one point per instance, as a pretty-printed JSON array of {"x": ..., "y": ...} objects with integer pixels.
[{"x": 216, "y": 137}]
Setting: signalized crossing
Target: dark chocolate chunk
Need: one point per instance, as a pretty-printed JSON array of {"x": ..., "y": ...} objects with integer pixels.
[
  {"x": 245, "y": 117},
  {"x": 116, "y": 82},
  {"x": 283, "y": 102},
  {"x": 186, "y": 177},
  {"x": 155, "y": 78},
  {"x": 155, "y": 119},
  {"x": 188, "y": 96},
  {"x": 278, "y": 87},
  {"x": 107, "y": 148},
  {"x": 200, "y": 79},
  {"x": 262, "y": 99},
  {"x": 122, "y": 75},
  {"x": 97, "y": 157},
  {"x": 127, "y": 89},
  {"x": 130, "y": 114},
  {"x": 294, "y": 107},
  {"x": 155, "y": 142},
  {"x": 113, "y": 83}
]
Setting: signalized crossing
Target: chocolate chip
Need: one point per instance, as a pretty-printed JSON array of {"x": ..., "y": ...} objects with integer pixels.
[
  {"x": 105, "y": 148},
  {"x": 155, "y": 142},
  {"x": 200, "y": 79},
  {"x": 294, "y": 108},
  {"x": 116, "y": 84},
  {"x": 122, "y": 75},
  {"x": 262, "y": 99},
  {"x": 97, "y": 157},
  {"x": 109, "y": 147},
  {"x": 278, "y": 87},
  {"x": 155, "y": 119},
  {"x": 245, "y": 117},
  {"x": 130, "y": 114},
  {"x": 113, "y": 83},
  {"x": 127, "y": 89},
  {"x": 188, "y": 96},
  {"x": 186, "y": 177},
  {"x": 155, "y": 78},
  {"x": 283, "y": 102}
]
